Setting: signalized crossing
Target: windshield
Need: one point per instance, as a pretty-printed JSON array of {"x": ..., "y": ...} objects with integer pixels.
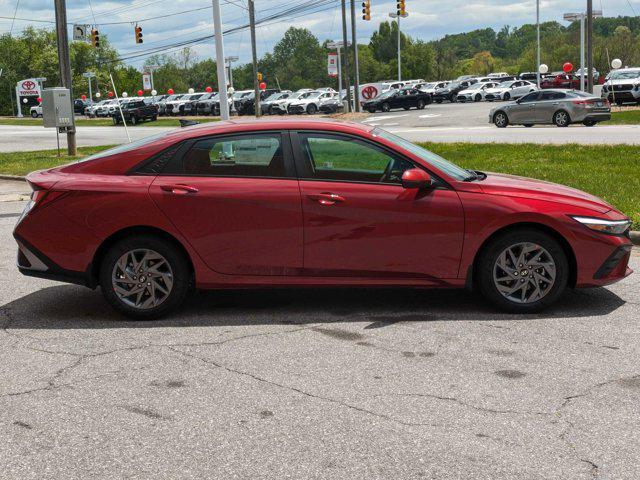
[
  {"x": 315, "y": 95},
  {"x": 505, "y": 84},
  {"x": 170, "y": 98},
  {"x": 437, "y": 161},
  {"x": 387, "y": 94},
  {"x": 274, "y": 96},
  {"x": 625, "y": 75},
  {"x": 305, "y": 94},
  {"x": 476, "y": 86},
  {"x": 428, "y": 85}
]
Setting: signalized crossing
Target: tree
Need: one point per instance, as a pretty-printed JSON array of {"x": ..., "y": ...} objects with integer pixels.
[{"x": 384, "y": 42}]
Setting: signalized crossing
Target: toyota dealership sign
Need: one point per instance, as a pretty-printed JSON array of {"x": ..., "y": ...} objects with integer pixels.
[
  {"x": 369, "y": 91},
  {"x": 28, "y": 87}
]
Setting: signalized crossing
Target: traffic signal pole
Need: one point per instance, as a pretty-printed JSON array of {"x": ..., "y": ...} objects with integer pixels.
[
  {"x": 356, "y": 65},
  {"x": 345, "y": 41},
  {"x": 65, "y": 68}
]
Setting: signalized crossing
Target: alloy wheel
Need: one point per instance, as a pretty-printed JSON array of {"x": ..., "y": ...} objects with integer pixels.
[
  {"x": 500, "y": 120},
  {"x": 524, "y": 272},
  {"x": 562, "y": 119},
  {"x": 142, "y": 279}
]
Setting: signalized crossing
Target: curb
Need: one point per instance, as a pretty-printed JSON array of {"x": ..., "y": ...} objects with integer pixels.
[
  {"x": 635, "y": 235},
  {"x": 17, "y": 178}
]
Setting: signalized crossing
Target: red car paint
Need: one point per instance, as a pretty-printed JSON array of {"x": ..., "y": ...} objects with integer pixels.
[
  {"x": 285, "y": 231},
  {"x": 561, "y": 81}
]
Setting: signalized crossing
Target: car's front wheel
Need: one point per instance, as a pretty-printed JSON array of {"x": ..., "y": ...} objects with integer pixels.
[
  {"x": 523, "y": 271},
  {"x": 385, "y": 107},
  {"x": 420, "y": 104},
  {"x": 34, "y": 114},
  {"x": 312, "y": 109},
  {"x": 144, "y": 277},
  {"x": 507, "y": 96}
]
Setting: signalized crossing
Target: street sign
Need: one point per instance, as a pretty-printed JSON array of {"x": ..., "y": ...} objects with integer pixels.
[
  {"x": 80, "y": 32},
  {"x": 146, "y": 81}
]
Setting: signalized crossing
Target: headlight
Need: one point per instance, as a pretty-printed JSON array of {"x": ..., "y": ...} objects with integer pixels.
[{"x": 611, "y": 227}]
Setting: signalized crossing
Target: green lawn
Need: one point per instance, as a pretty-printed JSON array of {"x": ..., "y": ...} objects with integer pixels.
[
  {"x": 103, "y": 122},
  {"x": 626, "y": 117},
  {"x": 610, "y": 172}
]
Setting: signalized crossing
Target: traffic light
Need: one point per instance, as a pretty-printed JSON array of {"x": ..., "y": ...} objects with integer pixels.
[
  {"x": 401, "y": 8},
  {"x": 138, "y": 31},
  {"x": 366, "y": 10},
  {"x": 95, "y": 38},
  {"x": 259, "y": 76}
]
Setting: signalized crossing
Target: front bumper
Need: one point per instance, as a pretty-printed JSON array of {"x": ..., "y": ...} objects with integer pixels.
[{"x": 295, "y": 109}]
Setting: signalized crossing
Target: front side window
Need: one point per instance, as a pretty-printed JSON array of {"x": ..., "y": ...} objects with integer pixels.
[
  {"x": 531, "y": 97},
  {"x": 341, "y": 158},
  {"x": 258, "y": 155}
]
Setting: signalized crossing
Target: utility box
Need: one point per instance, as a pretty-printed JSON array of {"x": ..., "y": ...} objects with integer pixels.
[{"x": 57, "y": 108}]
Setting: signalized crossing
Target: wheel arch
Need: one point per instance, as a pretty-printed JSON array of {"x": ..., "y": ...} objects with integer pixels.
[
  {"x": 493, "y": 118},
  {"x": 131, "y": 231},
  {"x": 566, "y": 247}
]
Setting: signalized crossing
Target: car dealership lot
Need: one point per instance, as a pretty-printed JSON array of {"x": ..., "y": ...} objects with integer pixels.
[{"x": 316, "y": 384}]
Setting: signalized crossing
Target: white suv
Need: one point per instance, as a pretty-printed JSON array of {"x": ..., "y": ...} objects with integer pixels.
[
  {"x": 622, "y": 86},
  {"x": 310, "y": 103}
]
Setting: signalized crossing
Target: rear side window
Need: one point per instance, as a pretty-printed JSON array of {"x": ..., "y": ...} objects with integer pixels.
[
  {"x": 259, "y": 155},
  {"x": 552, "y": 95}
]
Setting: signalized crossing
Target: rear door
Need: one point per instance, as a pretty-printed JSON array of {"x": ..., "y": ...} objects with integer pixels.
[
  {"x": 360, "y": 222},
  {"x": 236, "y": 200}
]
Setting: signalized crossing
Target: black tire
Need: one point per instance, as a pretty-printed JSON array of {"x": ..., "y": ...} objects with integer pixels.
[
  {"x": 34, "y": 114},
  {"x": 507, "y": 96},
  {"x": 312, "y": 109},
  {"x": 528, "y": 125},
  {"x": 500, "y": 119},
  {"x": 176, "y": 260},
  {"x": 133, "y": 120},
  {"x": 561, "y": 119},
  {"x": 115, "y": 120},
  {"x": 589, "y": 123},
  {"x": 420, "y": 105},
  {"x": 438, "y": 100},
  {"x": 407, "y": 108},
  {"x": 385, "y": 107},
  {"x": 154, "y": 118},
  {"x": 489, "y": 258},
  {"x": 271, "y": 110},
  {"x": 477, "y": 98}
]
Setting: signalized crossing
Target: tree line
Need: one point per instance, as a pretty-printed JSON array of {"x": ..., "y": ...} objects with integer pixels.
[{"x": 299, "y": 59}]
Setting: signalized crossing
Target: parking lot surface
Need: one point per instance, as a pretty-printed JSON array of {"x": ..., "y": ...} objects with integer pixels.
[{"x": 377, "y": 384}]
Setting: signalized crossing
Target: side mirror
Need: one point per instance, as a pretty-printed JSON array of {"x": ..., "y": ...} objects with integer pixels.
[{"x": 416, "y": 178}]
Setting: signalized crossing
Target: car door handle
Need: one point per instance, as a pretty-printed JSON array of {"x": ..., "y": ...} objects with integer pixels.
[
  {"x": 179, "y": 189},
  {"x": 326, "y": 198}
]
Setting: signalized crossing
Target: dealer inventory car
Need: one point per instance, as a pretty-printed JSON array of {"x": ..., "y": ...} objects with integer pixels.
[
  {"x": 452, "y": 89},
  {"x": 308, "y": 203},
  {"x": 476, "y": 92},
  {"x": 561, "y": 80},
  {"x": 135, "y": 111},
  {"x": 510, "y": 90},
  {"x": 622, "y": 86},
  {"x": 406, "y": 97},
  {"x": 558, "y": 107},
  {"x": 310, "y": 103}
]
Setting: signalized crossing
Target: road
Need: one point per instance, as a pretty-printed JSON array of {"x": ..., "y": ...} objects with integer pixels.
[
  {"x": 316, "y": 384},
  {"x": 437, "y": 123}
]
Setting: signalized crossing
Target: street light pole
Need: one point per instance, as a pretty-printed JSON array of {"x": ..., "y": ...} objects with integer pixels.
[
  {"x": 538, "y": 41},
  {"x": 582, "y": 17},
  {"x": 397, "y": 17},
  {"x": 222, "y": 87}
]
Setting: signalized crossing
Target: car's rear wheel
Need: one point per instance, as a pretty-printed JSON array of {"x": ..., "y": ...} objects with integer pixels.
[
  {"x": 561, "y": 119},
  {"x": 34, "y": 114},
  {"x": 420, "y": 104},
  {"x": 144, "y": 277},
  {"x": 500, "y": 120},
  {"x": 312, "y": 109},
  {"x": 589, "y": 123},
  {"x": 385, "y": 107},
  {"x": 507, "y": 96},
  {"x": 523, "y": 271},
  {"x": 477, "y": 98},
  {"x": 528, "y": 125}
]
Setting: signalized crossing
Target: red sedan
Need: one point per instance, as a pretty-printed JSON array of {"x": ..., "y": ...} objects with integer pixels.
[
  {"x": 564, "y": 80},
  {"x": 309, "y": 203}
]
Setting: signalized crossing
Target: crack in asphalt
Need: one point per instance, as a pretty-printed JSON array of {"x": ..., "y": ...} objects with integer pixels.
[{"x": 299, "y": 391}]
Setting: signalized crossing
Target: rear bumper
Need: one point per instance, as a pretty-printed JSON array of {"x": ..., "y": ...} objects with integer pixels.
[
  {"x": 597, "y": 117},
  {"x": 33, "y": 263}
]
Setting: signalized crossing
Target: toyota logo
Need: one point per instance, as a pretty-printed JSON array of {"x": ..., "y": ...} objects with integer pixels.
[
  {"x": 28, "y": 85},
  {"x": 369, "y": 92}
]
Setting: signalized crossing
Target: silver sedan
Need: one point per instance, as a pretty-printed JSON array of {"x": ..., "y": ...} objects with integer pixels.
[{"x": 556, "y": 107}]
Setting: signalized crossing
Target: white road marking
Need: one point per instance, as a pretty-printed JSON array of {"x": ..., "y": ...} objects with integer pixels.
[
  {"x": 390, "y": 124},
  {"x": 430, "y": 115},
  {"x": 385, "y": 117}
]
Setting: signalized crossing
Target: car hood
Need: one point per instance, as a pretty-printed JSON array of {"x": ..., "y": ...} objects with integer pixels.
[
  {"x": 514, "y": 186},
  {"x": 496, "y": 90},
  {"x": 622, "y": 81},
  {"x": 468, "y": 92}
]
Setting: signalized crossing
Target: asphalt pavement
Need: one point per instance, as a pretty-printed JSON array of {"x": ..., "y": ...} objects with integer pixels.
[
  {"x": 468, "y": 122},
  {"x": 316, "y": 384}
]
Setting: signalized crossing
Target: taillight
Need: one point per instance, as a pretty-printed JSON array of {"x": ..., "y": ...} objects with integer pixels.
[{"x": 580, "y": 102}]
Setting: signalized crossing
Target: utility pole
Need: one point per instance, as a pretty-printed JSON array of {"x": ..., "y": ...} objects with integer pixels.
[
  {"x": 589, "y": 46},
  {"x": 346, "y": 55},
  {"x": 222, "y": 81},
  {"x": 256, "y": 87},
  {"x": 65, "y": 68},
  {"x": 356, "y": 66}
]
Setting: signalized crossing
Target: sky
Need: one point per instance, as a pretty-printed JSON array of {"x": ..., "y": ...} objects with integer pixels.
[{"x": 428, "y": 19}]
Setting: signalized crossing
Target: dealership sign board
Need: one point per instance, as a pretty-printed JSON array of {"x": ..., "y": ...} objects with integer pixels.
[
  {"x": 332, "y": 64},
  {"x": 369, "y": 91},
  {"x": 146, "y": 81},
  {"x": 28, "y": 87}
]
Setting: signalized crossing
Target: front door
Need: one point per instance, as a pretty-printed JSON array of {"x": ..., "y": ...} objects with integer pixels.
[
  {"x": 236, "y": 200},
  {"x": 360, "y": 222}
]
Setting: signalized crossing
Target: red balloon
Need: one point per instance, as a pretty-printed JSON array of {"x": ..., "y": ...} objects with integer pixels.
[
  {"x": 170, "y": 91},
  {"x": 140, "y": 93},
  {"x": 83, "y": 97},
  {"x": 110, "y": 94},
  {"x": 208, "y": 89},
  {"x": 567, "y": 67},
  {"x": 39, "y": 100},
  {"x": 263, "y": 86}
]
